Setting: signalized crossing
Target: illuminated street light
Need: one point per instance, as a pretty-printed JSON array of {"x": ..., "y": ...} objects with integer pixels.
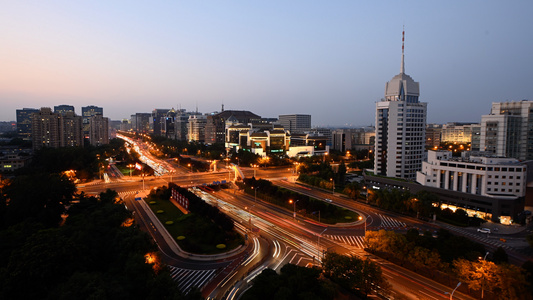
[
  {"x": 131, "y": 166},
  {"x": 333, "y": 181},
  {"x": 361, "y": 218},
  {"x": 255, "y": 193},
  {"x": 294, "y": 212}
]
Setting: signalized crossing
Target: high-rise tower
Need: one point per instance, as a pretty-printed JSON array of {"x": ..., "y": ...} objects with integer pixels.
[{"x": 400, "y": 127}]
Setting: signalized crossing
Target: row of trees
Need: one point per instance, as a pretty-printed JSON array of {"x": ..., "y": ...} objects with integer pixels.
[
  {"x": 87, "y": 162},
  {"x": 293, "y": 282},
  {"x": 426, "y": 254},
  {"x": 200, "y": 207},
  {"x": 361, "y": 276},
  {"x": 420, "y": 205},
  {"x": 94, "y": 254},
  {"x": 282, "y": 197}
]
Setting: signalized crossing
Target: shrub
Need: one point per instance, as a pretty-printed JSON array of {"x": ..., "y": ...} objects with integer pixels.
[
  {"x": 169, "y": 222},
  {"x": 221, "y": 246},
  {"x": 160, "y": 211}
]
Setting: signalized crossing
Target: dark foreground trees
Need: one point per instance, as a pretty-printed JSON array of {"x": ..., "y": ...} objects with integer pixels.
[
  {"x": 293, "y": 282},
  {"x": 95, "y": 254},
  {"x": 358, "y": 275}
]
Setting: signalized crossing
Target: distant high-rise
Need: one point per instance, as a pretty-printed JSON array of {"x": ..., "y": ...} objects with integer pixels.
[
  {"x": 87, "y": 112},
  {"x": 181, "y": 124},
  {"x": 63, "y": 109},
  {"x": 507, "y": 130},
  {"x": 24, "y": 117},
  {"x": 99, "y": 130},
  {"x": 45, "y": 129},
  {"x": 157, "y": 121},
  {"x": 197, "y": 128},
  {"x": 296, "y": 123},
  {"x": 353, "y": 139},
  {"x": 70, "y": 130},
  {"x": 55, "y": 130},
  {"x": 216, "y": 124},
  {"x": 400, "y": 128},
  {"x": 140, "y": 122}
]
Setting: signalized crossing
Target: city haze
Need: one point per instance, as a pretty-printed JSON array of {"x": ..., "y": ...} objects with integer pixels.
[{"x": 329, "y": 60}]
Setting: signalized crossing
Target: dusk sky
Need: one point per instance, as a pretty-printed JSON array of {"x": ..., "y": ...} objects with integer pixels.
[{"x": 330, "y": 59}]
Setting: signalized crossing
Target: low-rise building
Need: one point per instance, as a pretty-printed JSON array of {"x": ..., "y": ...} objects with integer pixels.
[{"x": 501, "y": 181}]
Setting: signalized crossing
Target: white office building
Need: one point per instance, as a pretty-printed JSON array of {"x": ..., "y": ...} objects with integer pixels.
[
  {"x": 506, "y": 131},
  {"x": 400, "y": 128},
  {"x": 493, "y": 177}
]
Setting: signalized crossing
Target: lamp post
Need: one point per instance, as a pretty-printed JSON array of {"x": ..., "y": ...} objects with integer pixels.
[
  {"x": 294, "y": 212},
  {"x": 130, "y": 166},
  {"x": 255, "y": 193},
  {"x": 190, "y": 166},
  {"x": 249, "y": 217},
  {"x": 361, "y": 218},
  {"x": 451, "y": 295},
  {"x": 484, "y": 259},
  {"x": 333, "y": 185},
  {"x": 255, "y": 169},
  {"x": 318, "y": 244}
]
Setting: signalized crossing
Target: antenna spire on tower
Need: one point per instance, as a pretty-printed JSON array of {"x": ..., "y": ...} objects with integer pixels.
[{"x": 402, "y": 68}]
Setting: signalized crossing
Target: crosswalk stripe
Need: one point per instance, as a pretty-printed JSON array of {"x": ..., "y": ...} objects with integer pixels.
[{"x": 187, "y": 279}]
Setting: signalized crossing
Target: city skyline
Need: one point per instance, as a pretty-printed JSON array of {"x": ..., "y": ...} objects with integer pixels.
[{"x": 327, "y": 60}]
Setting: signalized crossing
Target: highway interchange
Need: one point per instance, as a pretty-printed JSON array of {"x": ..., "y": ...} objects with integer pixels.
[{"x": 281, "y": 238}]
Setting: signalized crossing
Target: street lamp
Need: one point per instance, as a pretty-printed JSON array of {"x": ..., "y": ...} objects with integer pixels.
[
  {"x": 451, "y": 295},
  {"x": 361, "y": 218},
  {"x": 190, "y": 166},
  {"x": 255, "y": 193},
  {"x": 255, "y": 169},
  {"x": 318, "y": 244},
  {"x": 293, "y": 202},
  {"x": 333, "y": 186},
  {"x": 130, "y": 166},
  {"x": 484, "y": 259},
  {"x": 249, "y": 217}
]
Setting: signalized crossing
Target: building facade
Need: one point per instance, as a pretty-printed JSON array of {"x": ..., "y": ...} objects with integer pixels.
[
  {"x": 400, "y": 128},
  {"x": 24, "y": 121},
  {"x": 508, "y": 130},
  {"x": 353, "y": 139},
  {"x": 99, "y": 131},
  {"x": 71, "y": 133},
  {"x": 460, "y": 133},
  {"x": 196, "y": 128},
  {"x": 140, "y": 122},
  {"x": 63, "y": 109},
  {"x": 296, "y": 123},
  {"x": 86, "y": 113},
  {"x": 216, "y": 124},
  {"x": 433, "y": 135},
  {"x": 501, "y": 181},
  {"x": 158, "y": 120}
]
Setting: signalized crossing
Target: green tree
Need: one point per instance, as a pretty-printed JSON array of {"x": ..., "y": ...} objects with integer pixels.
[
  {"x": 500, "y": 256},
  {"x": 355, "y": 274},
  {"x": 40, "y": 197},
  {"x": 508, "y": 281}
]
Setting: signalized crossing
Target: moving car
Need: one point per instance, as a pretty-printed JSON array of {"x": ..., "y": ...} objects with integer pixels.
[{"x": 483, "y": 230}]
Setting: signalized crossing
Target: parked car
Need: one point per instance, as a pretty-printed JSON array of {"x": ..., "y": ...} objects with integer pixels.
[{"x": 483, "y": 230}]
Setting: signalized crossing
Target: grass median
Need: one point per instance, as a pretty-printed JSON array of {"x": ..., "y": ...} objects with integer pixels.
[{"x": 193, "y": 233}]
